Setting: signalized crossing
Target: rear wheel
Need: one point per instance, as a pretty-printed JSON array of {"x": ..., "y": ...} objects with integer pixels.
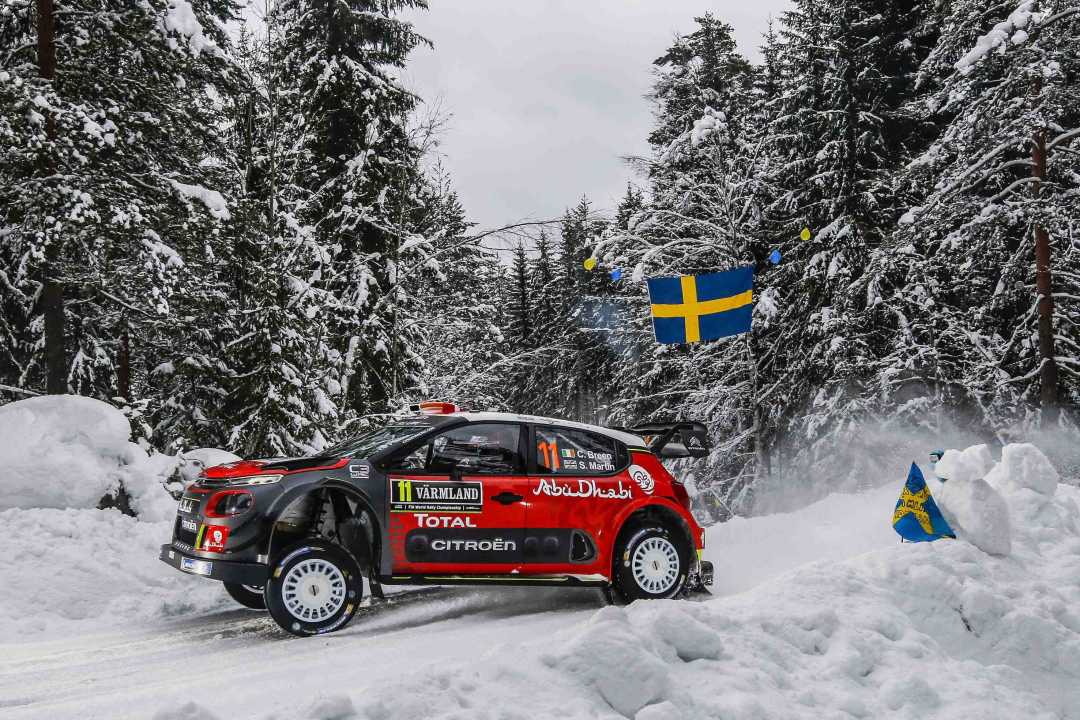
[
  {"x": 314, "y": 587},
  {"x": 250, "y": 596},
  {"x": 651, "y": 563}
]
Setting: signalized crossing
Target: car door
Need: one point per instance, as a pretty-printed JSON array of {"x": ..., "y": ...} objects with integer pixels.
[
  {"x": 576, "y": 489},
  {"x": 456, "y": 502}
]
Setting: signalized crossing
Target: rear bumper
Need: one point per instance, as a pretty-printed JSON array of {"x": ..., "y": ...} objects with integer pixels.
[{"x": 241, "y": 573}]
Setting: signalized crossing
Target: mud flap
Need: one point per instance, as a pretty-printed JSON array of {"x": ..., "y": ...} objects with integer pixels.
[
  {"x": 375, "y": 585},
  {"x": 699, "y": 581}
]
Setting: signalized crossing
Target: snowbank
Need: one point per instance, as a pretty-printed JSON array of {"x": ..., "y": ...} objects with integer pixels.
[
  {"x": 71, "y": 571},
  {"x": 905, "y": 630},
  {"x": 973, "y": 508},
  {"x": 973, "y": 495},
  {"x": 61, "y": 451},
  {"x": 66, "y": 451},
  {"x": 72, "y": 566}
]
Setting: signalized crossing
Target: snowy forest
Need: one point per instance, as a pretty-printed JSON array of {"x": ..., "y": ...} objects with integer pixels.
[{"x": 242, "y": 233}]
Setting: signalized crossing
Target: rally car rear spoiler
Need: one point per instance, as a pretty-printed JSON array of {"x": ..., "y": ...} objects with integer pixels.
[{"x": 675, "y": 439}]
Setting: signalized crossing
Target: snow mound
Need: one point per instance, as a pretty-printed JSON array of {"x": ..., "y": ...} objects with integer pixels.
[
  {"x": 67, "y": 451},
  {"x": 904, "y": 630},
  {"x": 972, "y": 496},
  {"x": 187, "y": 711},
  {"x": 966, "y": 465},
  {"x": 78, "y": 570},
  {"x": 973, "y": 508},
  {"x": 977, "y": 513},
  {"x": 60, "y": 451},
  {"x": 1024, "y": 466}
]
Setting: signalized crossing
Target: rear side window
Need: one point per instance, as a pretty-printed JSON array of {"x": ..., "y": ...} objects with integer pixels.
[{"x": 562, "y": 451}]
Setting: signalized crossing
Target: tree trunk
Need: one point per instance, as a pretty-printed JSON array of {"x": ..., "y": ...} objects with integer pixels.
[
  {"x": 123, "y": 366},
  {"x": 52, "y": 291},
  {"x": 1048, "y": 371}
]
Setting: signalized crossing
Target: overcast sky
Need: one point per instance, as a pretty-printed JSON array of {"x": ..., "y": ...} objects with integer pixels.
[{"x": 546, "y": 96}]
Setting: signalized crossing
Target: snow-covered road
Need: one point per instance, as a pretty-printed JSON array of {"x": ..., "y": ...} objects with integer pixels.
[
  {"x": 817, "y": 613},
  {"x": 237, "y": 662},
  {"x": 241, "y": 665}
]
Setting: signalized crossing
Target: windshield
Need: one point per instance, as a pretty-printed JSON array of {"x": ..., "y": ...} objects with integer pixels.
[{"x": 369, "y": 443}]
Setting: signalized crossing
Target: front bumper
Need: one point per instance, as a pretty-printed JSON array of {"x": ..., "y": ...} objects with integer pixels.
[{"x": 241, "y": 573}]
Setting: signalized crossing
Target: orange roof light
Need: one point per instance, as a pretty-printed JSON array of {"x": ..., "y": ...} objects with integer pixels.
[{"x": 435, "y": 408}]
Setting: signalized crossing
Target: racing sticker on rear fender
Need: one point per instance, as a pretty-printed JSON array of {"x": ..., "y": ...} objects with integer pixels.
[{"x": 435, "y": 496}]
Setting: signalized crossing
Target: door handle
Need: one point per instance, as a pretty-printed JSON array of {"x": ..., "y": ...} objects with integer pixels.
[{"x": 507, "y": 498}]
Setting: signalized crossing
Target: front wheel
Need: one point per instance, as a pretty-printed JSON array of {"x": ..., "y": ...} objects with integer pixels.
[
  {"x": 651, "y": 564},
  {"x": 250, "y": 596},
  {"x": 314, "y": 588}
]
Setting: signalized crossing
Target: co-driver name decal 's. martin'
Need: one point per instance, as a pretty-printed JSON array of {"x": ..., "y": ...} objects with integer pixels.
[
  {"x": 430, "y": 495},
  {"x": 582, "y": 489}
]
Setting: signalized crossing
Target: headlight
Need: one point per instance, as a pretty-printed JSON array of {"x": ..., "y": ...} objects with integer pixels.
[{"x": 254, "y": 480}]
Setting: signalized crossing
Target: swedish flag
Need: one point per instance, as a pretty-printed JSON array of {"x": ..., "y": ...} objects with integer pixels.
[
  {"x": 917, "y": 517},
  {"x": 692, "y": 308}
]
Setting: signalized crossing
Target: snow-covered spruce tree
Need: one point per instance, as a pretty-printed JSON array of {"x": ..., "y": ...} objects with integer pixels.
[
  {"x": 959, "y": 287},
  {"x": 702, "y": 217},
  {"x": 578, "y": 328},
  {"x": 452, "y": 300},
  {"x": 700, "y": 70},
  {"x": 106, "y": 122},
  {"x": 520, "y": 328},
  {"x": 351, "y": 169},
  {"x": 276, "y": 378},
  {"x": 519, "y": 301},
  {"x": 534, "y": 326},
  {"x": 839, "y": 135}
]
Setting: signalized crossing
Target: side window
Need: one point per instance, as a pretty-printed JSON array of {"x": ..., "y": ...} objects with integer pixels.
[
  {"x": 562, "y": 451},
  {"x": 481, "y": 449}
]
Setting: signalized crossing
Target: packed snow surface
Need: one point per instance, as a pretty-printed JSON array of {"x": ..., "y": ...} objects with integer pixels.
[
  {"x": 818, "y": 613},
  {"x": 78, "y": 571}
]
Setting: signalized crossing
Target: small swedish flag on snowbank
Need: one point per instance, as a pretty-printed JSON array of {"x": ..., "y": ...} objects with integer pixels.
[
  {"x": 917, "y": 517},
  {"x": 692, "y": 308}
]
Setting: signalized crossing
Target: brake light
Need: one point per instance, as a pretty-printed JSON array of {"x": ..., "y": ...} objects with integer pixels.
[
  {"x": 229, "y": 503},
  {"x": 435, "y": 408}
]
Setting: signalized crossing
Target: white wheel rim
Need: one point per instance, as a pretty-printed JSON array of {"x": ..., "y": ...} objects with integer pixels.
[
  {"x": 656, "y": 565},
  {"x": 313, "y": 590}
]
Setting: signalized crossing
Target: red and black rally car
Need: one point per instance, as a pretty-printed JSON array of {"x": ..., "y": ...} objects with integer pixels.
[{"x": 447, "y": 497}]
